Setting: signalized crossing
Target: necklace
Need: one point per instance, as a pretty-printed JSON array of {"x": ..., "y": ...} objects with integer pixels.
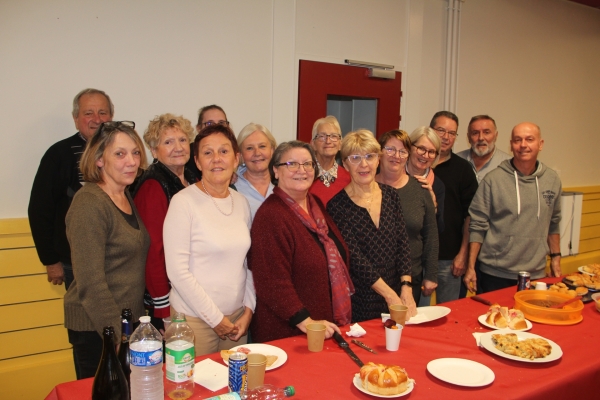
[{"x": 215, "y": 203}]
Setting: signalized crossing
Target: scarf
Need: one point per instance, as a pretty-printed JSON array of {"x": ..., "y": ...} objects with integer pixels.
[
  {"x": 339, "y": 278},
  {"x": 329, "y": 176}
]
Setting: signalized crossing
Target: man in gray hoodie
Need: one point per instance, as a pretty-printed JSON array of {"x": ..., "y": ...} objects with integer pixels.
[{"x": 515, "y": 217}]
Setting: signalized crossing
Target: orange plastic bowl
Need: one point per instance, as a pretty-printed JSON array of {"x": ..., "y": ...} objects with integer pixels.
[{"x": 569, "y": 315}]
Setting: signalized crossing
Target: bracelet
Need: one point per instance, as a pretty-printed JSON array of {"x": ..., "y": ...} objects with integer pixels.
[
  {"x": 406, "y": 283},
  {"x": 552, "y": 255}
]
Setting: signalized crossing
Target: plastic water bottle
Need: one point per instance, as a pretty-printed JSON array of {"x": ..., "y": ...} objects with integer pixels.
[
  {"x": 264, "y": 392},
  {"x": 145, "y": 347},
  {"x": 179, "y": 358}
]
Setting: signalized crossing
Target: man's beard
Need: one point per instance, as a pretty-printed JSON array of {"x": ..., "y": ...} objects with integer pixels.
[{"x": 480, "y": 153}]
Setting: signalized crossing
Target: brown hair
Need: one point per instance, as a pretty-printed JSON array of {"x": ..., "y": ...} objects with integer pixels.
[{"x": 97, "y": 145}]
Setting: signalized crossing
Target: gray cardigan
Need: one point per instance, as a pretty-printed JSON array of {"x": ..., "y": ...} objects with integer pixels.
[{"x": 109, "y": 258}]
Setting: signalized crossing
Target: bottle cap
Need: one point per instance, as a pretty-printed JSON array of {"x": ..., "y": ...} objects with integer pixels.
[
  {"x": 290, "y": 391},
  {"x": 145, "y": 319}
]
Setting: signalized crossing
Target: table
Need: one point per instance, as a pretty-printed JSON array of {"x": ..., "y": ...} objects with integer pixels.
[{"x": 328, "y": 374}]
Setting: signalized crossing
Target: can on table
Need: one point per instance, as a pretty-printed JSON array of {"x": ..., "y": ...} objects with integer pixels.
[
  {"x": 523, "y": 281},
  {"x": 238, "y": 372}
]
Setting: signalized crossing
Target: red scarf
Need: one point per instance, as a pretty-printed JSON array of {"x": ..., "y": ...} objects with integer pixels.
[{"x": 341, "y": 284}]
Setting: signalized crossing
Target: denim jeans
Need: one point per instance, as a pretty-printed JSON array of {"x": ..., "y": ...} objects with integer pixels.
[
  {"x": 489, "y": 283},
  {"x": 87, "y": 350},
  {"x": 448, "y": 285}
]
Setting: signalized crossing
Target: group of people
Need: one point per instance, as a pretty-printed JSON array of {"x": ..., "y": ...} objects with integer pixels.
[{"x": 245, "y": 236}]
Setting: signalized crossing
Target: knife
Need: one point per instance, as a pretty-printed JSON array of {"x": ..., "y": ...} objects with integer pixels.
[
  {"x": 364, "y": 346},
  {"x": 482, "y": 300},
  {"x": 346, "y": 347}
]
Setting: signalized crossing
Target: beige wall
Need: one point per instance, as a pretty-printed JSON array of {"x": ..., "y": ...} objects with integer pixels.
[{"x": 519, "y": 59}]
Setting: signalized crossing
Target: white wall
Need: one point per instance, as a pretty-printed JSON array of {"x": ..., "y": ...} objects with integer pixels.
[{"x": 519, "y": 59}]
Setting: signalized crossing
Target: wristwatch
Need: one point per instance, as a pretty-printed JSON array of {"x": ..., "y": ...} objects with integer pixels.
[
  {"x": 552, "y": 255},
  {"x": 406, "y": 283}
]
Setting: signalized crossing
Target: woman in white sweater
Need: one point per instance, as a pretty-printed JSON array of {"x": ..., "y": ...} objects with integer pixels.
[{"x": 206, "y": 236}]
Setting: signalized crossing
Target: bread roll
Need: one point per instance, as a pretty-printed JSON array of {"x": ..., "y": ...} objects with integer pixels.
[
  {"x": 517, "y": 323},
  {"x": 383, "y": 379}
]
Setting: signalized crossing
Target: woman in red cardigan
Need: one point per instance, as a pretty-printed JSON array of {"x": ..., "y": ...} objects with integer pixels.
[{"x": 298, "y": 257}]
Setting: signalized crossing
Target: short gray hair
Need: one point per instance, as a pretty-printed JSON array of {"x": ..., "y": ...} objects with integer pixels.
[
  {"x": 91, "y": 91},
  {"x": 331, "y": 120}
]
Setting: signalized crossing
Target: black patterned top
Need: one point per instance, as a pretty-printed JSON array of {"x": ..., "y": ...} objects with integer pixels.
[{"x": 375, "y": 253}]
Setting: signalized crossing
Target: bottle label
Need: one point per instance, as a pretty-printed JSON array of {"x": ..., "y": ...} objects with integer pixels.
[
  {"x": 228, "y": 396},
  {"x": 179, "y": 357},
  {"x": 145, "y": 354}
]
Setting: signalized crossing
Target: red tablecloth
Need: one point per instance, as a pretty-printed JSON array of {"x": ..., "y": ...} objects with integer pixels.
[{"x": 329, "y": 374}]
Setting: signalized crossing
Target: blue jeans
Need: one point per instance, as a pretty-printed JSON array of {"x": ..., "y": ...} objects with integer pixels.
[
  {"x": 87, "y": 351},
  {"x": 448, "y": 285}
]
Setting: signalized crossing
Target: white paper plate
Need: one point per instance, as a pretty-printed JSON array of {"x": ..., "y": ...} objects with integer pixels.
[
  {"x": 358, "y": 385},
  {"x": 428, "y": 314},
  {"x": 267, "y": 350},
  {"x": 460, "y": 371},
  {"x": 482, "y": 318},
  {"x": 585, "y": 272},
  {"x": 555, "y": 354}
]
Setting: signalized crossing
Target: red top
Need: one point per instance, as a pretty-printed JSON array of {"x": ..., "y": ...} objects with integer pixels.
[
  {"x": 152, "y": 206},
  {"x": 290, "y": 271},
  {"x": 325, "y": 193}
]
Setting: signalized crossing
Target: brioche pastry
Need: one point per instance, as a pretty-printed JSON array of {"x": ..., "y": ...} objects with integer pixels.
[{"x": 383, "y": 379}]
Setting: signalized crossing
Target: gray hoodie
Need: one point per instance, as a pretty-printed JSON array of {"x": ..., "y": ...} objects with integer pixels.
[{"x": 512, "y": 216}]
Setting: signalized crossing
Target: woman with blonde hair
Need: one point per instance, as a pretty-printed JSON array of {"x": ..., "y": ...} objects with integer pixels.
[
  {"x": 108, "y": 242},
  {"x": 369, "y": 215},
  {"x": 256, "y": 149},
  {"x": 168, "y": 137}
]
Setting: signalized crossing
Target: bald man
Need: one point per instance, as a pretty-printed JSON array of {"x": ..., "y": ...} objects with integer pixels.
[{"x": 515, "y": 217}]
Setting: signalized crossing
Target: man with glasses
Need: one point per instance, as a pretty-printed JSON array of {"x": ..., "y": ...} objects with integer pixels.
[
  {"x": 58, "y": 179},
  {"x": 515, "y": 217},
  {"x": 461, "y": 185},
  {"x": 483, "y": 155}
]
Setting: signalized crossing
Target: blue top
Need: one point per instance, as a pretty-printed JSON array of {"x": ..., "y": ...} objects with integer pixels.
[{"x": 254, "y": 197}]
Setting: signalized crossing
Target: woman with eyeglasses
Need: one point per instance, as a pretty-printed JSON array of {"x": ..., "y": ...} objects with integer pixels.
[
  {"x": 326, "y": 142},
  {"x": 424, "y": 155},
  {"x": 298, "y": 257},
  {"x": 168, "y": 137},
  {"x": 254, "y": 181},
  {"x": 108, "y": 242},
  {"x": 207, "y": 116},
  {"x": 206, "y": 236},
  {"x": 369, "y": 215},
  {"x": 418, "y": 211}
]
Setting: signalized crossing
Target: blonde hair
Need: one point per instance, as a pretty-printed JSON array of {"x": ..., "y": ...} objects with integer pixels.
[
  {"x": 361, "y": 140},
  {"x": 250, "y": 129},
  {"x": 163, "y": 122},
  {"x": 97, "y": 146},
  {"x": 430, "y": 134}
]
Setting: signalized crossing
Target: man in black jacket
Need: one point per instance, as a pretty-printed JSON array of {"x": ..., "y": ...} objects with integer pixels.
[{"x": 58, "y": 179}]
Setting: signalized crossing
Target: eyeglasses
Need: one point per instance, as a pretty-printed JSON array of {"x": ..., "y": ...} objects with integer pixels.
[
  {"x": 322, "y": 137},
  {"x": 422, "y": 151},
  {"x": 209, "y": 123},
  {"x": 114, "y": 125},
  {"x": 294, "y": 166},
  {"x": 357, "y": 158},
  {"x": 391, "y": 151},
  {"x": 441, "y": 132}
]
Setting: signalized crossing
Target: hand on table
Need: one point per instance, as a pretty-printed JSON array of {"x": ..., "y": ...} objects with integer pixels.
[
  {"x": 408, "y": 300},
  {"x": 56, "y": 273},
  {"x": 225, "y": 328},
  {"x": 330, "y": 327},
  {"x": 428, "y": 287}
]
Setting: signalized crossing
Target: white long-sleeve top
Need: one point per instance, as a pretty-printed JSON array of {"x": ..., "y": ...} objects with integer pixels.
[{"x": 205, "y": 253}]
